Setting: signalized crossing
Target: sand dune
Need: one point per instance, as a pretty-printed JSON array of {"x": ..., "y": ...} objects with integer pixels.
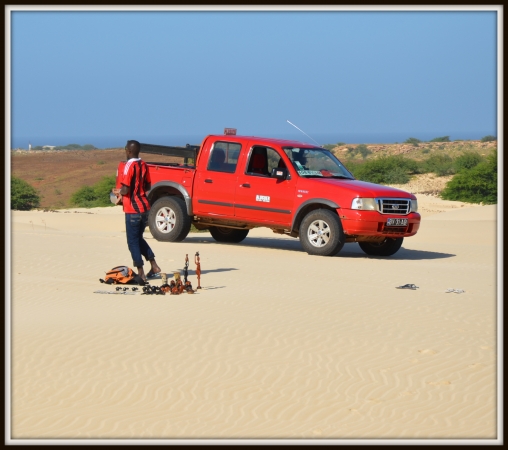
[{"x": 277, "y": 344}]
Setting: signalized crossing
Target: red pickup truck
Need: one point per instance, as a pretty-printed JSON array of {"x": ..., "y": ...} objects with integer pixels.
[{"x": 231, "y": 184}]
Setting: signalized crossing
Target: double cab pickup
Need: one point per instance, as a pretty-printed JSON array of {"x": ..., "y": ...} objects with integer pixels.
[{"x": 230, "y": 184}]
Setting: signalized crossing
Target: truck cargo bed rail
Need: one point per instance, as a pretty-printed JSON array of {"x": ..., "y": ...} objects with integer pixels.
[{"x": 189, "y": 152}]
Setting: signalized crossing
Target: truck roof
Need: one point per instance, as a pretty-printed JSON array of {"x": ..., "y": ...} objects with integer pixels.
[{"x": 281, "y": 142}]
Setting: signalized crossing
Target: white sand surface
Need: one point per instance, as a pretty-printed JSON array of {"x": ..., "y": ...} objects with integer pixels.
[{"x": 277, "y": 344}]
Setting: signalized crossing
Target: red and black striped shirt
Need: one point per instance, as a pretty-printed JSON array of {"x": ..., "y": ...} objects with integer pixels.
[{"x": 135, "y": 176}]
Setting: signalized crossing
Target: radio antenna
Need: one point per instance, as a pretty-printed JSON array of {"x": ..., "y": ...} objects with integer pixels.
[{"x": 303, "y": 132}]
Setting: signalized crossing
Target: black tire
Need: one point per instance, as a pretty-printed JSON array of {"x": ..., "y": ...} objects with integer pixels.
[
  {"x": 232, "y": 235},
  {"x": 386, "y": 248},
  {"x": 168, "y": 219},
  {"x": 321, "y": 233}
]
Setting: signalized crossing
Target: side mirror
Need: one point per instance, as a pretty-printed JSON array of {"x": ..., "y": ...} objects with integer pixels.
[{"x": 281, "y": 173}]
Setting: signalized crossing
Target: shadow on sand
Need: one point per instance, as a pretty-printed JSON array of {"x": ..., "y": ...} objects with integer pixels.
[
  {"x": 193, "y": 272},
  {"x": 350, "y": 250}
]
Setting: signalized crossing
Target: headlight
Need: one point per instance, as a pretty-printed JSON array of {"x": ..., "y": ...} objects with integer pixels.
[
  {"x": 414, "y": 205},
  {"x": 364, "y": 204}
]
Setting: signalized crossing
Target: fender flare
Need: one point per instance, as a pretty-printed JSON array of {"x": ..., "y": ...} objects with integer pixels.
[
  {"x": 178, "y": 187},
  {"x": 318, "y": 201}
]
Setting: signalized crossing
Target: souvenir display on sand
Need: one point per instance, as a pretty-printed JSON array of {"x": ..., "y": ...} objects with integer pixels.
[{"x": 198, "y": 269}]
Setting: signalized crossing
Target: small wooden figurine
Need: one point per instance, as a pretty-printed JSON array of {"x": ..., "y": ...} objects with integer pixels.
[
  {"x": 188, "y": 288},
  {"x": 185, "y": 269},
  {"x": 198, "y": 269}
]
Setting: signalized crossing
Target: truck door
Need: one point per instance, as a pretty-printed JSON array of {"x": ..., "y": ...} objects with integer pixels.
[
  {"x": 259, "y": 197},
  {"x": 214, "y": 187}
]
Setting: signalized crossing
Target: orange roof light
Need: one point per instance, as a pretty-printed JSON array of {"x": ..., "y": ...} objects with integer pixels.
[{"x": 230, "y": 131}]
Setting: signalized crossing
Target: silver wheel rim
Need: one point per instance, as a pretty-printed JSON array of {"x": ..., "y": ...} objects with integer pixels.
[
  {"x": 165, "y": 220},
  {"x": 319, "y": 233}
]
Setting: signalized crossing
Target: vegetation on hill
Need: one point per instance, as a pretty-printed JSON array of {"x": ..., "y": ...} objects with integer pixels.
[
  {"x": 94, "y": 196},
  {"x": 474, "y": 184},
  {"x": 23, "y": 195},
  {"x": 394, "y": 169},
  {"x": 474, "y": 181}
]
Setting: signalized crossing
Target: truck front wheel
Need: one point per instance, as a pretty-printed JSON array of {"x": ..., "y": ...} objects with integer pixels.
[
  {"x": 168, "y": 219},
  {"x": 387, "y": 247},
  {"x": 232, "y": 235},
  {"x": 321, "y": 233}
]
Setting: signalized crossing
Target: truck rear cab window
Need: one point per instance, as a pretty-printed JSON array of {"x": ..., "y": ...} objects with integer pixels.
[
  {"x": 262, "y": 160},
  {"x": 224, "y": 157}
]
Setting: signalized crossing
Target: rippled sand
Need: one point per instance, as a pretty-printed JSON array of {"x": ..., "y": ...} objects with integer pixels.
[{"x": 277, "y": 344}]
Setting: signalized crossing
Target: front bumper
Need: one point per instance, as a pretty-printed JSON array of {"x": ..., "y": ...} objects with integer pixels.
[{"x": 373, "y": 223}]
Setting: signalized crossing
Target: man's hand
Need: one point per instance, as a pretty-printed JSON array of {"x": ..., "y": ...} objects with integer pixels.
[{"x": 118, "y": 196}]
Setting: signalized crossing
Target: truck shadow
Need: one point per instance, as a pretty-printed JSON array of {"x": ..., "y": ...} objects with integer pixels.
[
  {"x": 350, "y": 250},
  {"x": 403, "y": 254}
]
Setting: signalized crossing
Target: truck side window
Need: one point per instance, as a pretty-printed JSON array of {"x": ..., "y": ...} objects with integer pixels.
[
  {"x": 224, "y": 157},
  {"x": 262, "y": 160}
]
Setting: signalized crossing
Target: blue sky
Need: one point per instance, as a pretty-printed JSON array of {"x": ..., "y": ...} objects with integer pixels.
[{"x": 103, "y": 77}]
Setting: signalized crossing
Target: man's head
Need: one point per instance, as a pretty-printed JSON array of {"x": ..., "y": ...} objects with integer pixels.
[{"x": 132, "y": 149}]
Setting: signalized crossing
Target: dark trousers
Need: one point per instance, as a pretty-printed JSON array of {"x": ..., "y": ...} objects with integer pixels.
[{"x": 135, "y": 225}]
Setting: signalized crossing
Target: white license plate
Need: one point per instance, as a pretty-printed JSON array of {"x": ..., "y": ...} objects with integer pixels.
[{"x": 396, "y": 222}]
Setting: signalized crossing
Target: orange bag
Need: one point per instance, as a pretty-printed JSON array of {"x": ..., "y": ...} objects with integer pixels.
[{"x": 122, "y": 275}]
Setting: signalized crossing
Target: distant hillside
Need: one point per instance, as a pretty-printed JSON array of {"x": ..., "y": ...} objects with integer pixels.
[
  {"x": 418, "y": 152},
  {"x": 57, "y": 174}
]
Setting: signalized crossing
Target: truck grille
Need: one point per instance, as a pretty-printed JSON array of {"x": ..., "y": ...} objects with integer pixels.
[{"x": 399, "y": 206}]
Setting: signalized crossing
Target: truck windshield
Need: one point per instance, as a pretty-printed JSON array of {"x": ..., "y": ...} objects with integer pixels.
[{"x": 316, "y": 162}]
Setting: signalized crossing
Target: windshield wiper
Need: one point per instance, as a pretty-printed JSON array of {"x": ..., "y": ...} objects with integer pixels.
[{"x": 342, "y": 177}]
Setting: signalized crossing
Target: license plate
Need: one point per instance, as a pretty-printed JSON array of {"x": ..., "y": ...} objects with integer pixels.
[{"x": 396, "y": 222}]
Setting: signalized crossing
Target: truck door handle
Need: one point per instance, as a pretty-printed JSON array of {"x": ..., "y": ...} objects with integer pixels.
[
  {"x": 245, "y": 185},
  {"x": 208, "y": 180}
]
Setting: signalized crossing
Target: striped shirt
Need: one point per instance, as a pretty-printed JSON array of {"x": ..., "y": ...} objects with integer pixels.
[{"x": 135, "y": 175}]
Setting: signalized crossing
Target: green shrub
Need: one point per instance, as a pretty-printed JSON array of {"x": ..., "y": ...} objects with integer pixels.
[
  {"x": 94, "y": 196},
  {"x": 385, "y": 170},
  {"x": 467, "y": 160},
  {"x": 350, "y": 151},
  {"x": 439, "y": 164},
  {"x": 363, "y": 150},
  {"x": 339, "y": 144},
  {"x": 475, "y": 185},
  {"x": 413, "y": 141},
  {"x": 425, "y": 150},
  {"x": 24, "y": 197},
  {"x": 329, "y": 146},
  {"x": 441, "y": 139},
  {"x": 488, "y": 138}
]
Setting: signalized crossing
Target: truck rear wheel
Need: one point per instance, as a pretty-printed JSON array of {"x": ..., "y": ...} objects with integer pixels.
[
  {"x": 223, "y": 234},
  {"x": 386, "y": 248},
  {"x": 321, "y": 233},
  {"x": 168, "y": 219}
]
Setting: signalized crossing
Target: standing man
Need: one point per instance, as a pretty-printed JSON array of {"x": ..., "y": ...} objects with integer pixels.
[{"x": 135, "y": 180}]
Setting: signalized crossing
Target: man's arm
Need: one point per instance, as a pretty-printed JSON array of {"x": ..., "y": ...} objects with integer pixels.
[{"x": 124, "y": 190}]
